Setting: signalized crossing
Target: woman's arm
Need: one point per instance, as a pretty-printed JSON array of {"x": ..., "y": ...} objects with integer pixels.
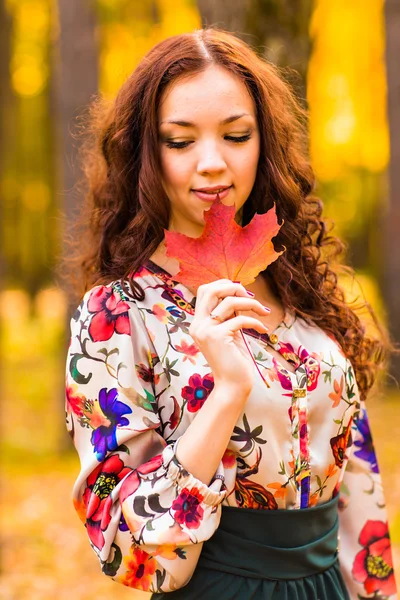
[
  {"x": 203, "y": 444},
  {"x": 131, "y": 492},
  {"x": 201, "y": 447},
  {"x": 145, "y": 512},
  {"x": 364, "y": 543}
]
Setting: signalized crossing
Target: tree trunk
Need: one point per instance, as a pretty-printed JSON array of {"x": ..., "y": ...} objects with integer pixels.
[
  {"x": 225, "y": 14},
  {"x": 5, "y": 101},
  {"x": 7, "y": 131},
  {"x": 76, "y": 82},
  {"x": 74, "y": 85},
  {"x": 391, "y": 240},
  {"x": 277, "y": 29}
]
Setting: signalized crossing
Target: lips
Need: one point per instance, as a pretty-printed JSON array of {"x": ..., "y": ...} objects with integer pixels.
[
  {"x": 212, "y": 189},
  {"x": 211, "y": 195}
]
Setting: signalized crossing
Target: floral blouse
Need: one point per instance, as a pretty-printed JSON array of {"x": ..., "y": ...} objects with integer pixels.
[{"x": 136, "y": 380}]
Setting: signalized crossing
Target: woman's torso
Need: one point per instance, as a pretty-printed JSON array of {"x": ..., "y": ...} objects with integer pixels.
[{"x": 288, "y": 448}]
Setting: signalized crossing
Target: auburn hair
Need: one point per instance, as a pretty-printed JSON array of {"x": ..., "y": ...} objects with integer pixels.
[{"x": 125, "y": 209}]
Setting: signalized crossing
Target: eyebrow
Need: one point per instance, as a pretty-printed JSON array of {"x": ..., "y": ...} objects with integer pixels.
[{"x": 224, "y": 122}]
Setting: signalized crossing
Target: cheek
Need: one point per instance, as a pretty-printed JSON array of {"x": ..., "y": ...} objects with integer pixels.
[
  {"x": 175, "y": 170},
  {"x": 246, "y": 166}
]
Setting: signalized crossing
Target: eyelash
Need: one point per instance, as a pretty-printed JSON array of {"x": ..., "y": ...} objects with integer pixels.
[{"x": 236, "y": 140}]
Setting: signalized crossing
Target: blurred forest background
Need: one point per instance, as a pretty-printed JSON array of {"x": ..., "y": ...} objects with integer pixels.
[{"x": 53, "y": 58}]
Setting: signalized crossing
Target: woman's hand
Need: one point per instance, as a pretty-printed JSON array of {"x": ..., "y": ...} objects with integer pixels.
[{"x": 220, "y": 340}]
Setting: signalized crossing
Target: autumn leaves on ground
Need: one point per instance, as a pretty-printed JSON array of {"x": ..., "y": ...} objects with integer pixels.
[{"x": 46, "y": 553}]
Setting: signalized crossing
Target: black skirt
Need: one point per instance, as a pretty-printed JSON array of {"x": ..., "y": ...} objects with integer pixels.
[{"x": 269, "y": 555}]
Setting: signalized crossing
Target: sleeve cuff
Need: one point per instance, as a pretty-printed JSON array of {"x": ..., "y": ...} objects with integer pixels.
[{"x": 183, "y": 479}]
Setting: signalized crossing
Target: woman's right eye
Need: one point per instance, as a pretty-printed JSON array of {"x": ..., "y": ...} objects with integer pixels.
[{"x": 171, "y": 144}]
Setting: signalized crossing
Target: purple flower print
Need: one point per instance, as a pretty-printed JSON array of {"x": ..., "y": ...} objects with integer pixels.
[
  {"x": 366, "y": 450},
  {"x": 104, "y": 438}
]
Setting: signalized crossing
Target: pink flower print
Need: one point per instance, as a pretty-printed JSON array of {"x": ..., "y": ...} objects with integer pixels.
[
  {"x": 188, "y": 509},
  {"x": 198, "y": 390},
  {"x": 312, "y": 365},
  {"x": 303, "y": 433},
  {"x": 110, "y": 314},
  {"x": 283, "y": 375},
  {"x": 373, "y": 565},
  {"x": 289, "y": 354}
]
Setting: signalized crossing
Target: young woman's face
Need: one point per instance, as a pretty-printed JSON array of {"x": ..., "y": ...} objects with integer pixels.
[{"x": 209, "y": 137}]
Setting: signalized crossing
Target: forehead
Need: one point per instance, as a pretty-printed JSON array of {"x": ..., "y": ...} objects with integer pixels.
[{"x": 213, "y": 91}]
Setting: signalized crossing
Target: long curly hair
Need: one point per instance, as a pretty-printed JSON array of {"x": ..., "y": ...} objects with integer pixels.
[{"x": 125, "y": 211}]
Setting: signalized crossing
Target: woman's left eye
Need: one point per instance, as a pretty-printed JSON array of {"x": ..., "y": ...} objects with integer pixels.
[
  {"x": 242, "y": 138},
  {"x": 231, "y": 138},
  {"x": 171, "y": 144}
]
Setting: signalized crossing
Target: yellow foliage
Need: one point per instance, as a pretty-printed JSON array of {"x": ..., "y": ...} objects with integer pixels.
[
  {"x": 179, "y": 17},
  {"x": 124, "y": 41},
  {"x": 29, "y": 61},
  {"x": 35, "y": 195},
  {"x": 347, "y": 88},
  {"x": 51, "y": 304},
  {"x": 364, "y": 288},
  {"x": 14, "y": 307}
]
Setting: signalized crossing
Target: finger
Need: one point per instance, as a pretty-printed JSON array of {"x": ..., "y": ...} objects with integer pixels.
[
  {"x": 231, "y": 304},
  {"x": 213, "y": 287},
  {"x": 212, "y": 293},
  {"x": 240, "y": 322}
]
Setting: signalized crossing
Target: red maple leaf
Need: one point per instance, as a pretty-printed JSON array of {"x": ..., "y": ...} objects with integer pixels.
[{"x": 224, "y": 250}]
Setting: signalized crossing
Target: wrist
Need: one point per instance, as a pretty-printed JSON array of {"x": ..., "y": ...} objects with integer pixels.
[{"x": 227, "y": 390}]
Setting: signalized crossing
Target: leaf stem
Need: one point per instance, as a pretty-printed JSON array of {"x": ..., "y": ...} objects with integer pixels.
[{"x": 252, "y": 357}]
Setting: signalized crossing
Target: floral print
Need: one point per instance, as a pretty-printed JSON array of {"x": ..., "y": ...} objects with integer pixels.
[
  {"x": 248, "y": 493},
  {"x": 95, "y": 498},
  {"x": 140, "y": 568},
  {"x": 104, "y": 437},
  {"x": 251, "y": 438},
  {"x": 339, "y": 445},
  {"x": 336, "y": 395},
  {"x": 110, "y": 314},
  {"x": 373, "y": 565},
  {"x": 190, "y": 351},
  {"x": 310, "y": 362},
  {"x": 365, "y": 448},
  {"x": 198, "y": 390},
  {"x": 135, "y": 380},
  {"x": 75, "y": 402},
  {"x": 187, "y": 507}
]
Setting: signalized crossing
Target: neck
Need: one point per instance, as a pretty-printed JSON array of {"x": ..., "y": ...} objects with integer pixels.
[
  {"x": 171, "y": 265},
  {"x": 260, "y": 287}
]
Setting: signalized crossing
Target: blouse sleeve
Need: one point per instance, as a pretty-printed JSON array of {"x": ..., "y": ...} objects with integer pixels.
[
  {"x": 364, "y": 542},
  {"x": 145, "y": 515}
]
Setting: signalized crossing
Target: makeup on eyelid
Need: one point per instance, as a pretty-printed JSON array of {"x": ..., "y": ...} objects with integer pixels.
[{"x": 184, "y": 144}]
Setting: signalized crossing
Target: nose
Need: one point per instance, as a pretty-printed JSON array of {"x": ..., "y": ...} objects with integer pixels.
[{"x": 210, "y": 159}]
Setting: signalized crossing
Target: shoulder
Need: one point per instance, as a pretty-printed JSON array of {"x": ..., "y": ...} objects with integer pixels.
[
  {"x": 107, "y": 309},
  {"x": 320, "y": 342}
]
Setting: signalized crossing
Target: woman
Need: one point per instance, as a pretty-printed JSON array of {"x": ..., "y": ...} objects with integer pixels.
[{"x": 199, "y": 478}]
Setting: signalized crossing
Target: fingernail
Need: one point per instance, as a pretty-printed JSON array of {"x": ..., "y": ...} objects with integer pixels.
[
  {"x": 266, "y": 308},
  {"x": 250, "y": 293}
]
